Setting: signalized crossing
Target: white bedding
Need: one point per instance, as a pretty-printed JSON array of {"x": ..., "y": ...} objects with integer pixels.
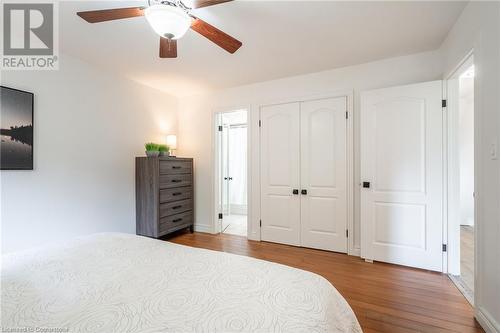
[{"x": 126, "y": 283}]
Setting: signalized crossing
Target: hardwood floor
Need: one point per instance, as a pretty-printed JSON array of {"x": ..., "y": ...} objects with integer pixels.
[{"x": 384, "y": 297}]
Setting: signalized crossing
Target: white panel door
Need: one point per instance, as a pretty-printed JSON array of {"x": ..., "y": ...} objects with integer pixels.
[
  {"x": 280, "y": 207},
  {"x": 402, "y": 159},
  {"x": 323, "y": 129}
]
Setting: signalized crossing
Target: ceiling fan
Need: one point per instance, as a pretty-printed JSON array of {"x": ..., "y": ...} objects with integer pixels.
[{"x": 170, "y": 19}]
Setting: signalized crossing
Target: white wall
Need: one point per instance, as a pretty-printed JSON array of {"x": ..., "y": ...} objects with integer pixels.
[
  {"x": 196, "y": 125},
  {"x": 466, "y": 150},
  {"x": 478, "y": 28},
  {"x": 88, "y": 127}
]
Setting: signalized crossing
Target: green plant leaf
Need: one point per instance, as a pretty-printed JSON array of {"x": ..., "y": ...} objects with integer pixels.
[
  {"x": 150, "y": 146},
  {"x": 163, "y": 148}
]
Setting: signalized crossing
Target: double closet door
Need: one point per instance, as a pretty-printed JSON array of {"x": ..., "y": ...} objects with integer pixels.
[{"x": 304, "y": 174}]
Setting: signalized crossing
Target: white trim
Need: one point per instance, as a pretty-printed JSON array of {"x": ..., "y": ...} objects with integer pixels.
[
  {"x": 356, "y": 251},
  {"x": 253, "y": 155},
  {"x": 203, "y": 228},
  {"x": 451, "y": 235},
  {"x": 478, "y": 142},
  {"x": 308, "y": 97},
  {"x": 215, "y": 228},
  {"x": 349, "y": 94},
  {"x": 486, "y": 320},
  {"x": 460, "y": 64},
  {"x": 351, "y": 249},
  {"x": 444, "y": 213}
]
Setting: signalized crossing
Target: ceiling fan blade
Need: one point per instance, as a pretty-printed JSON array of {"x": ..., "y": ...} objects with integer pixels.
[
  {"x": 217, "y": 36},
  {"x": 206, "y": 3},
  {"x": 95, "y": 16},
  {"x": 168, "y": 48}
]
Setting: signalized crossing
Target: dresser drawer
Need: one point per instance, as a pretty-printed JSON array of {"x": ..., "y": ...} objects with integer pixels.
[
  {"x": 176, "y": 194},
  {"x": 176, "y": 207},
  {"x": 175, "y": 222},
  {"x": 175, "y": 167},
  {"x": 178, "y": 180}
]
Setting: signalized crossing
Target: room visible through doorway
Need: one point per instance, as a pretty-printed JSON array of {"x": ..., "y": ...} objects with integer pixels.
[
  {"x": 461, "y": 181},
  {"x": 232, "y": 153}
]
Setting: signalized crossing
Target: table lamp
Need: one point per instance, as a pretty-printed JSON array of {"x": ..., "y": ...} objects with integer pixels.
[{"x": 172, "y": 143}]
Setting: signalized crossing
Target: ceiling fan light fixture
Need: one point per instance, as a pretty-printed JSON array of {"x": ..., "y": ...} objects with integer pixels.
[{"x": 168, "y": 21}]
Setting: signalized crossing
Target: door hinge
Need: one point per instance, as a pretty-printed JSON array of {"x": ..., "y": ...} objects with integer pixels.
[
  {"x": 444, "y": 103},
  {"x": 444, "y": 247},
  {"x": 347, "y": 233},
  {"x": 260, "y": 223},
  {"x": 260, "y": 123},
  {"x": 346, "y": 115},
  {"x": 220, "y": 216},
  {"x": 220, "y": 128}
]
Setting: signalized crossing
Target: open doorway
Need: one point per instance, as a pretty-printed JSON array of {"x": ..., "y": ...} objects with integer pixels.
[
  {"x": 232, "y": 172},
  {"x": 461, "y": 178}
]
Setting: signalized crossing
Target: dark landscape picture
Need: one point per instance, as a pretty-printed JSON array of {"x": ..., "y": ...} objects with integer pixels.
[{"x": 16, "y": 129}]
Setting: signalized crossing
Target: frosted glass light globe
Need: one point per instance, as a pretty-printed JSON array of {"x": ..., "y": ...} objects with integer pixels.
[{"x": 168, "y": 21}]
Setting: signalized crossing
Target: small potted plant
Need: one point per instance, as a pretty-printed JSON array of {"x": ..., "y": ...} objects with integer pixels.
[
  {"x": 152, "y": 149},
  {"x": 164, "y": 150}
]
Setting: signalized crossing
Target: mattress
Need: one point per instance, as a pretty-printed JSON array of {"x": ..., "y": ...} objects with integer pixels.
[{"x": 127, "y": 283}]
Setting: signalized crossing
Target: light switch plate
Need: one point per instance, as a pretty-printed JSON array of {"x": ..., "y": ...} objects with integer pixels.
[{"x": 493, "y": 151}]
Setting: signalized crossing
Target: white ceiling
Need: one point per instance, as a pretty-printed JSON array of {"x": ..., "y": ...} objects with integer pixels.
[{"x": 280, "y": 39}]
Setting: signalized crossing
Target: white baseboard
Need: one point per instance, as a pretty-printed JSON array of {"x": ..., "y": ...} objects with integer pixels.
[
  {"x": 486, "y": 321},
  {"x": 203, "y": 228},
  {"x": 254, "y": 236},
  {"x": 356, "y": 252}
]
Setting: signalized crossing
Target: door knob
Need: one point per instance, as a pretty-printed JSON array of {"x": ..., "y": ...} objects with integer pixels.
[
  {"x": 304, "y": 192},
  {"x": 230, "y": 178},
  {"x": 295, "y": 191},
  {"x": 366, "y": 184}
]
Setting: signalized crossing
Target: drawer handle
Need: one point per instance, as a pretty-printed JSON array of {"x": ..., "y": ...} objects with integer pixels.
[
  {"x": 176, "y": 180},
  {"x": 177, "y": 207},
  {"x": 176, "y": 194},
  {"x": 176, "y": 167},
  {"x": 177, "y": 220}
]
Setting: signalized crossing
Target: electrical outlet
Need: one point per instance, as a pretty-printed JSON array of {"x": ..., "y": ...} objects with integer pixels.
[{"x": 493, "y": 151}]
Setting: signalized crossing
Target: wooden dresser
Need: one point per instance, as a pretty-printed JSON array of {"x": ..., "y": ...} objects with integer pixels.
[{"x": 163, "y": 195}]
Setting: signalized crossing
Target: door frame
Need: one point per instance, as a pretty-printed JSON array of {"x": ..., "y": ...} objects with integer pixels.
[
  {"x": 451, "y": 261},
  {"x": 216, "y": 163},
  {"x": 255, "y": 135}
]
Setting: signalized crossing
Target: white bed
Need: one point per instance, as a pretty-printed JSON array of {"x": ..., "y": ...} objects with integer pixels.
[{"x": 126, "y": 283}]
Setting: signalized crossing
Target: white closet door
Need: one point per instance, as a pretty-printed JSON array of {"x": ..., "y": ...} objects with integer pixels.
[
  {"x": 324, "y": 174},
  {"x": 402, "y": 158},
  {"x": 280, "y": 208}
]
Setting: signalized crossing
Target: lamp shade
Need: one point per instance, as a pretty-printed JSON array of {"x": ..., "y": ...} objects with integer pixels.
[
  {"x": 172, "y": 141},
  {"x": 168, "y": 21}
]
